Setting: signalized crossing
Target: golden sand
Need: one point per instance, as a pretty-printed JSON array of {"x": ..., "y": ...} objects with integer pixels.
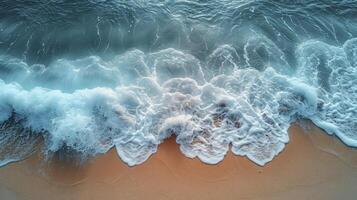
[{"x": 312, "y": 166}]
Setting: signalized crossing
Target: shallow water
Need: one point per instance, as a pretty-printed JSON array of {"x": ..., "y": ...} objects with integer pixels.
[{"x": 82, "y": 77}]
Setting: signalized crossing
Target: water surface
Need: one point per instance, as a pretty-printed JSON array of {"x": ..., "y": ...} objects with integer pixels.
[{"x": 81, "y": 77}]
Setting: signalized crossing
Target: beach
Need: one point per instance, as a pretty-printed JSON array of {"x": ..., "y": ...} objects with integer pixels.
[
  {"x": 312, "y": 166},
  {"x": 178, "y": 100}
]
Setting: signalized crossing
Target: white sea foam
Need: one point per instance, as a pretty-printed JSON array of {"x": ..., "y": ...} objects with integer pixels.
[{"x": 137, "y": 100}]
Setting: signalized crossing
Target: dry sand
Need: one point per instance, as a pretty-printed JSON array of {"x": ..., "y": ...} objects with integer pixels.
[{"x": 312, "y": 166}]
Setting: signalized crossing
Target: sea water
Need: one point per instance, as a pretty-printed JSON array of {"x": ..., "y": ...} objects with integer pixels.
[{"x": 82, "y": 77}]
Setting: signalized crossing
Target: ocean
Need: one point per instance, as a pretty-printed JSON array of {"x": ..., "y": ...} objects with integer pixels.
[{"x": 78, "y": 78}]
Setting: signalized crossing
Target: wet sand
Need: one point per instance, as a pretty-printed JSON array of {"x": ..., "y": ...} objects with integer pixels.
[{"x": 312, "y": 166}]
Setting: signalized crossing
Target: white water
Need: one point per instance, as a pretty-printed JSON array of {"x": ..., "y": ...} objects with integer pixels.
[{"x": 136, "y": 100}]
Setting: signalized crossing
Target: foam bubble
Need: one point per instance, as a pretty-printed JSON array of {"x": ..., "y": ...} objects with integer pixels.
[
  {"x": 331, "y": 69},
  {"x": 137, "y": 100}
]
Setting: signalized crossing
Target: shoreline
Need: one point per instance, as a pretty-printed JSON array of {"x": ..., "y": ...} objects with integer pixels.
[{"x": 313, "y": 165}]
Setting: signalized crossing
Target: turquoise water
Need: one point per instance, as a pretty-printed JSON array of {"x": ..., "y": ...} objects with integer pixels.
[{"x": 87, "y": 76}]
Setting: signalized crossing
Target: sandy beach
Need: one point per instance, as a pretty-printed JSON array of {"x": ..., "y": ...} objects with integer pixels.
[
  {"x": 155, "y": 100},
  {"x": 312, "y": 166}
]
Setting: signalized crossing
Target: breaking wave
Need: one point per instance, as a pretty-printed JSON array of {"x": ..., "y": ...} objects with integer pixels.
[{"x": 218, "y": 76}]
